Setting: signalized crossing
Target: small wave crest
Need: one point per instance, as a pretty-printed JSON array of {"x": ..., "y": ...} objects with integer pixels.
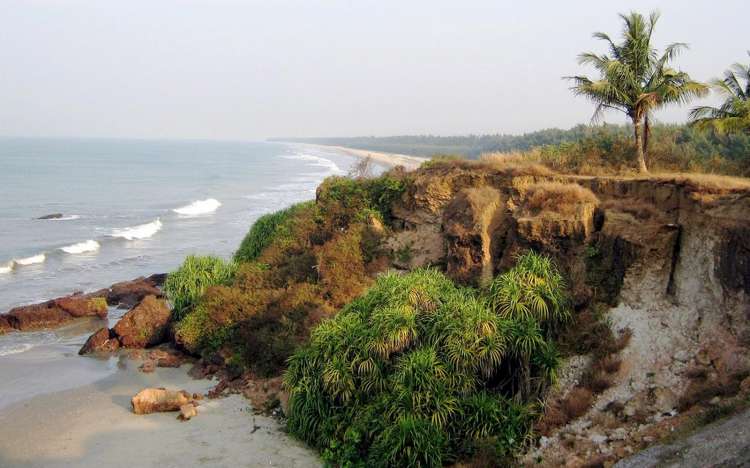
[
  {"x": 199, "y": 207},
  {"x": 15, "y": 343},
  {"x": 316, "y": 161},
  {"x": 34, "y": 259},
  {"x": 81, "y": 247},
  {"x": 7, "y": 268},
  {"x": 143, "y": 231},
  {"x": 15, "y": 348},
  {"x": 66, "y": 218}
]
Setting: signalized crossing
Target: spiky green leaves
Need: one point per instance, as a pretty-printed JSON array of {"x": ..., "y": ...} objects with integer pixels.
[
  {"x": 185, "y": 286},
  {"x": 400, "y": 368},
  {"x": 533, "y": 290}
]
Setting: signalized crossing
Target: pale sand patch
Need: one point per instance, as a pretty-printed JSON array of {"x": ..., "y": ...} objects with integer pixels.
[
  {"x": 93, "y": 426},
  {"x": 390, "y": 159}
]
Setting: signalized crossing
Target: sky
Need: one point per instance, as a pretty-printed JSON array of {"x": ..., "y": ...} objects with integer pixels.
[{"x": 246, "y": 70}]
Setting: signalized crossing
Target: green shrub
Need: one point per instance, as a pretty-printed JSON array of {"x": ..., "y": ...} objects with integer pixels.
[
  {"x": 533, "y": 289},
  {"x": 343, "y": 200},
  {"x": 270, "y": 227},
  {"x": 210, "y": 323},
  {"x": 186, "y": 285},
  {"x": 403, "y": 376}
]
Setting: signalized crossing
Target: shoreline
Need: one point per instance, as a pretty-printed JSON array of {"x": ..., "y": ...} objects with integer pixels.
[
  {"x": 390, "y": 159},
  {"x": 93, "y": 425}
]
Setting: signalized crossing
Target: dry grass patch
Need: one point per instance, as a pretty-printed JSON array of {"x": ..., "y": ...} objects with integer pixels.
[
  {"x": 514, "y": 164},
  {"x": 557, "y": 197},
  {"x": 511, "y": 164},
  {"x": 710, "y": 183}
]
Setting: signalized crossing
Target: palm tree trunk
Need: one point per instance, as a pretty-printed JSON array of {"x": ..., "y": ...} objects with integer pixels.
[
  {"x": 646, "y": 136},
  {"x": 639, "y": 146}
]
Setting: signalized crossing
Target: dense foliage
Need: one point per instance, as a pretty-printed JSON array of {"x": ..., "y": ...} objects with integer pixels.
[
  {"x": 420, "y": 372},
  {"x": 587, "y": 148},
  {"x": 294, "y": 267},
  {"x": 186, "y": 285},
  {"x": 269, "y": 227},
  {"x": 672, "y": 148}
]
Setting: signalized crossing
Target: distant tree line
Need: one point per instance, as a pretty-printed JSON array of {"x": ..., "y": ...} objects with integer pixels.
[{"x": 673, "y": 147}]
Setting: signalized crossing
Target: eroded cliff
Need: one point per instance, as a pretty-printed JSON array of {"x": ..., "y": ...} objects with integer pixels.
[{"x": 666, "y": 258}]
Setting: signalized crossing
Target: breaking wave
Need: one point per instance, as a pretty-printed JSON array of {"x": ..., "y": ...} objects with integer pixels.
[
  {"x": 7, "y": 268},
  {"x": 142, "y": 231},
  {"x": 316, "y": 161},
  {"x": 199, "y": 207},
  {"x": 39, "y": 258},
  {"x": 81, "y": 247},
  {"x": 15, "y": 348}
]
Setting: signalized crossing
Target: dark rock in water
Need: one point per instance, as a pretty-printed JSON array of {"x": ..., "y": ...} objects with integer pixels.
[
  {"x": 104, "y": 340},
  {"x": 51, "y": 216},
  {"x": 132, "y": 292},
  {"x": 5, "y": 326},
  {"x": 54, "y": 313},
  {"x": 157, "y": 279},
  {"x": 83, "y": 306},
  {"x": 33, "y": 317},
  {"x": 145, "y": 325}
]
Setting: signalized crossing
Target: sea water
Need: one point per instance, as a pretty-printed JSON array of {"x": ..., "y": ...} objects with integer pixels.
[{"x": 135, "y": 207}]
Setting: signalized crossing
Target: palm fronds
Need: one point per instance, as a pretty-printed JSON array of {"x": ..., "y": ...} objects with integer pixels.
[
  {"x": 733, "y": 115},
  {"x": 635, "y": 79}
]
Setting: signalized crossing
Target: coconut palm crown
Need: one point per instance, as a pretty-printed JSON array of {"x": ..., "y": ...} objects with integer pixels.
[
  {"x": 733, "y": 116},
  {"x": 635, "y": 79}
]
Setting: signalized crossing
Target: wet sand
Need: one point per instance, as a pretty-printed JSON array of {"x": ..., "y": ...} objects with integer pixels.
[
  {"x": 93, "y": 426},
  {"x": 389, "y": 159}
]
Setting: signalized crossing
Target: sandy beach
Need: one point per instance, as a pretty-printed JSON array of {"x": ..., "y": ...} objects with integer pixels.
[
  {"x": 390, "y": 159},
  {"x": 93, "y": 426}
]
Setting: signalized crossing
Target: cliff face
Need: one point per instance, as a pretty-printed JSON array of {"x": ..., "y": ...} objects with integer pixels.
[{"x": 669, "y": 256}]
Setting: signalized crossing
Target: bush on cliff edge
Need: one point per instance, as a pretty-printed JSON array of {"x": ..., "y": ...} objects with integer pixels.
[{"x": 417, "y": 372}]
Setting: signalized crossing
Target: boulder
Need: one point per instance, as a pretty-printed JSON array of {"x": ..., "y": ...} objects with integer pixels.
[
  {"x": 153, "y": 400},
  {"x": 104, "y": 340},
  {"x": 164, "y": 358},
  {"x": 148, "y": 366},
  {"x": 83, "y": 306},
  {"x": 145, "y": 325},
  {"x": 157, "y": 279},
  {"x": 53, "y": 313},
  {"x": 187, "y": 411},
  {"x": 130, "y": 293},
  {"x": 33, "y": 317},
  {"x": 5, "y": 325}
]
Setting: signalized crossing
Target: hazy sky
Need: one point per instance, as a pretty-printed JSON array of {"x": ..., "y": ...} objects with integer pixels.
[{"x": 251, "y": 69}]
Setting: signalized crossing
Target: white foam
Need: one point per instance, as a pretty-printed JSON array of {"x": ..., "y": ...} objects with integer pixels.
[
  {"x": 66, "y": 218},
  {"x": 143, "y": 231},
  {"x": 7, "y": 268},
  {"x": 15, "y": 348},
  {"x": 199, "y": 207},
  {"x": 39, "y": 258},
  {"x": 81, "y": 247},
  {"x": 316, "y": 161}
]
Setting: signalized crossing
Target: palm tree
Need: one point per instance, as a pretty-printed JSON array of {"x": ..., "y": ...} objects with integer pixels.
[
  {"x": 635, "y": 79},
  {"x": 733, "y": 116}
]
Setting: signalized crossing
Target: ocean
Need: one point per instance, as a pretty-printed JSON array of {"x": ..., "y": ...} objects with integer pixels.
[{"x": 132, "y": 208}]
